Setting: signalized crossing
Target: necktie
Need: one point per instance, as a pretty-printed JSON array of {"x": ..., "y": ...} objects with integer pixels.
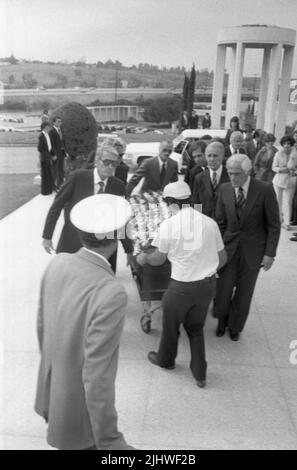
[
  {"x": 101, "y": 187},
  {"x": 162, "y": 174},
  {"x": 240, "y": 200},
  {"x": 214, "y": 180}
]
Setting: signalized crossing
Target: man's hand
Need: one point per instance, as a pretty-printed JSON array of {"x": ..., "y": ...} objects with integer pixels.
[
  {"x": 141, "y": 259},
  {"x": 131, "y": 261},
  {"x": 48, "y": 246},
  {"x": 267, "y": 262}
]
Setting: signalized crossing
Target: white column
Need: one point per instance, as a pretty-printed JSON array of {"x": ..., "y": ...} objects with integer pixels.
[
  {"x": 284, "y": 92},
  {"x": 264, "y": 88},
  {"x": 229, "y": 99},
  {"x": 218, "y": 83},
  {"x": 271, "y": 101},
  {"x": 237, "y": 84}
]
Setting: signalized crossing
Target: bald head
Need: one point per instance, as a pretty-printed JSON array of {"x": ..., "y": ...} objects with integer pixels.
[
  {"x": 214, "y": 155},
  {"x": 239, "y": 167},
  {"x": 236, "y": 140}
]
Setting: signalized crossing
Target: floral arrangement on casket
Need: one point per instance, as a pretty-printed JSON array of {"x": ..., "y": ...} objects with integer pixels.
[{"x": 149, "y": 210}]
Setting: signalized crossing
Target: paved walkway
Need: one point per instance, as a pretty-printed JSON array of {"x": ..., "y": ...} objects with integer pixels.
[{"x": 250, "y": 398}]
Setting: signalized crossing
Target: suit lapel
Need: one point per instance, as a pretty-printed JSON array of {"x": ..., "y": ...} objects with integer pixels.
[
  {"x": 169, "y": 170},
  {"x": 207, "y": 182},
  {"x": 156, "y": 169},
  {"x": 252, "y": 196},
  {"x": 230, "y": 201}
]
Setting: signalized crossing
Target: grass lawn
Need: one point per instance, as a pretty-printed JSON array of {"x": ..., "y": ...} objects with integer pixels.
[{"x": 16, "y": 190}]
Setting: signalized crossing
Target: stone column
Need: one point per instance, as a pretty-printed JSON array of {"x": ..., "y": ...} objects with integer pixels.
[
  {"x": 229, "y": 99},
  {"x": 264, "y": 87},
  {"x": 284, "y": 92},
  {"x": 271, "y": 101},
  {"x": 237, "y": 84},
  {"x": 218, "y": 83}
]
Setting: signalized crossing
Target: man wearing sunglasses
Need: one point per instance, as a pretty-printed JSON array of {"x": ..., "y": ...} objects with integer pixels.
[
  {"x": 157, "y": 172},
  {"x": 82, "y": 184}
]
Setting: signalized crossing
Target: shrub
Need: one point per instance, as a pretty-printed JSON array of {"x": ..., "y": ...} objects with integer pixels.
[{"x": 79, "y": 129}]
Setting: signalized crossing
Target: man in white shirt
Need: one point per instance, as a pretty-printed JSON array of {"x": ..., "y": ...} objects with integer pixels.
[
  {"x": 236, "y": 144},
  {"x": 192, "y": 243}
]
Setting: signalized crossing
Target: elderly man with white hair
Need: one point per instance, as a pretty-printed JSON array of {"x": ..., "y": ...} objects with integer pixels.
[
  {"x": 157, "y": 172},
  {"x": 236, "y": 144},
  {"x": 248, "y": 216}
]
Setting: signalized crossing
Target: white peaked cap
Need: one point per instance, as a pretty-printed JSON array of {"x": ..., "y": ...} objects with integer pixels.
[
  {"x": 101, "y": 214},
  {"x": 178, "y": 190}
]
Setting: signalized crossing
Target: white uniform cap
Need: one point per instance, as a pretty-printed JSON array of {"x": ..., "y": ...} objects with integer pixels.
[
  {"x": 178, "y": 190},
  {"x": 101, "y": 214}
]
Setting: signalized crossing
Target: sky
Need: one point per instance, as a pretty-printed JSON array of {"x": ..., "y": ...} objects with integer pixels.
[{"x": 159, "y": 32}]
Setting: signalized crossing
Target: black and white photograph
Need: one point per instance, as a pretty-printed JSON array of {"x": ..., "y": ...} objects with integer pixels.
[{"x": 148, "y": 227}]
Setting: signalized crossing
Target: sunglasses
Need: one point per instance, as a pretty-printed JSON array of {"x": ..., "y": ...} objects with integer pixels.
[
  {"x": 113, "y": 163},
  {"x": 167, "y": 150}
]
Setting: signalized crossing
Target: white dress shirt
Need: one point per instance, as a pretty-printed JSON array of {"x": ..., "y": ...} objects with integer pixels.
[
  {"x": 218, "y": 173},
  {"x": 48, "y": 140},
  {"x": 97, "y": 179},
  {"x": 245, "y": 188}
]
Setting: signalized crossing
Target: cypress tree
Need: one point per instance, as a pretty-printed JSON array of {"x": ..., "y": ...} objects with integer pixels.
[{"x": 191, "y": 91}]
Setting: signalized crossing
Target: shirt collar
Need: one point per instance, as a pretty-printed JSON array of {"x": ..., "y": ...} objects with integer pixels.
[
  {"x": 97, "y": 254},
  {"x": 161, "y": 163},
  {"x": 245, "y": 187},
  {"x": 97, "y": 178},
  {"x": 218, "y": 172}
]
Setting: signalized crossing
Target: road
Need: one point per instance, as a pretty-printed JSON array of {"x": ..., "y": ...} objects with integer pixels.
[{"x": 89, "y": 91}]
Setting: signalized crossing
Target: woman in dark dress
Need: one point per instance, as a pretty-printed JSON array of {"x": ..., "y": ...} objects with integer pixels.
[{"x": 44, "y": 148}]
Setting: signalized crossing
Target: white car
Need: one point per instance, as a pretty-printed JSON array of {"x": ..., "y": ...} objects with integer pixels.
[{"x": 137, "y": 152}]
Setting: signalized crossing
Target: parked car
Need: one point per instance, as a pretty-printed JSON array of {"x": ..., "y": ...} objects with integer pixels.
[
  {"x": 102, "y": 137},
  {"x": 137, "y": 152}
]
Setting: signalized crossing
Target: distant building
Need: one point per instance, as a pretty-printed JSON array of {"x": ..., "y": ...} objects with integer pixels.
[{"x": 115, "y": 113}]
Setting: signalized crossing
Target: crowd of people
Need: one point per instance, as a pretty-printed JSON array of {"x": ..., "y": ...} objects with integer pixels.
[{"x": 243, "y": 188}]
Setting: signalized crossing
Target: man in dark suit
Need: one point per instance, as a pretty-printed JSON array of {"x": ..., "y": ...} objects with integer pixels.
[
  {"x": 58, "y": 151},
  {"x": 206, "y": 184},
  {"x": 236, "y": 145},
  {"x": 44, "y": 148},
  {"x": 157, "y": 172},
  {"x": 80, "y": 185},
  {"x": 193, "y": 121},
  {"x": 248, "y": 216},
  {"x": 119, "y": 145}
]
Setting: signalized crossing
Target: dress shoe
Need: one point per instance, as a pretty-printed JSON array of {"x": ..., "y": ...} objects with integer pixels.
[
  {"x": 293, "y": 239},
  {"x": 201, "y": 383},
  {"x": 220, "y": 331},
  {"x": 153, "y": 358},
  {"x": 234, "y": 335}
]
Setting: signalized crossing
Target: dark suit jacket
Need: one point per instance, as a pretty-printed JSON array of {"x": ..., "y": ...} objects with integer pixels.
[
  {"x": 122, "y": 172},
  {"x": 257, "y": 231},
  {"x": 58, "y": 148},
  {"x": 79, "y": 186},
  {"x": 228, "y": 152},
  {"x": 204, "y": 194},
  {"x": 45, "y": 154},
  {"x": 193, "y": 172},
  {"x": 150, "y": 170}
]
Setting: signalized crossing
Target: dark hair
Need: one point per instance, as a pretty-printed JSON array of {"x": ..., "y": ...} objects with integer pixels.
[
  {"x": 200, "y": 146},
  {"x": 257, "y": 133},
  {"x": 269, "y": 138},
  {"x": 287, "y": 139},
  {"x": 206, "y": 137},
  {"x": 44, "y": 124},
  {"x": 90, "y": 241},
  {"x": 56, "y": 117},
  {"x": 235, "y": 119},
  {"x": 45, "y": 111},
  {"x": 179, "y": 202}
]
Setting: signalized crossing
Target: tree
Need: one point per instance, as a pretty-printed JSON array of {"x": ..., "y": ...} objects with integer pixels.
[
  {"x": 80, "y": 130},
  {"x": 185, "y": 92},
  {"x": 191, "y": 91},
  {"x": 163, "y": 109}
]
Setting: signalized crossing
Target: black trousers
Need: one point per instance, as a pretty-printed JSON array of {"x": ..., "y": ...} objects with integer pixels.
[
  {"x": 59, "y": 172},
  {"x": 235, "y": 288},
  {"x": 47, "y": 180},
  {"x": 186, "y": 303}
]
